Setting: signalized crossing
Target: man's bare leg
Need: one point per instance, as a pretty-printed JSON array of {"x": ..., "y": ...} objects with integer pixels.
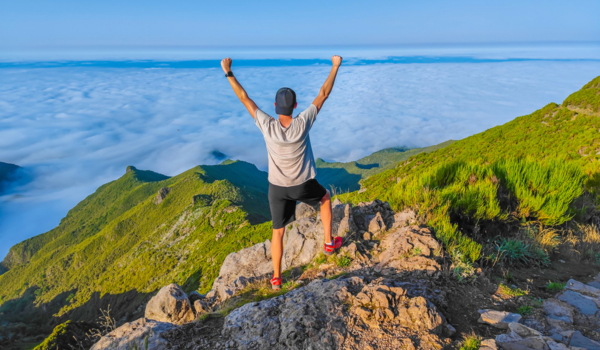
[
  {"x": 277, "y": 250},
  {"x": 326, "y": 216}
]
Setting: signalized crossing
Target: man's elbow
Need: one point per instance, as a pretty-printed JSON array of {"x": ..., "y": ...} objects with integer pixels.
[{"x": 323, "y": 95}]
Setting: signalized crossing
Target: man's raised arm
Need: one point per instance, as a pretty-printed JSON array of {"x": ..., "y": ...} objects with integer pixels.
[
  {"x": 237, "y": 88},
  {"x": 326, "y": 88}
]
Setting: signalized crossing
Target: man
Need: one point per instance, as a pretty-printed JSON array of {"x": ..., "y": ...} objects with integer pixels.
[{"x": 291, "y": 162}]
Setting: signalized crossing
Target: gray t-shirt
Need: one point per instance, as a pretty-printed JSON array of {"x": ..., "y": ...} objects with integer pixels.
[{"x": 291, "y": 160}]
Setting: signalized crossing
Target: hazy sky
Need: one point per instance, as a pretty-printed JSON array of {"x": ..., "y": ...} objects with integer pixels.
[{"x": 37, "y": 23}]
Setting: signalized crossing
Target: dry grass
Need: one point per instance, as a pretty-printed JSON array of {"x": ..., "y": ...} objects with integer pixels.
[
  {"x": 547, "y": 238},
  {"x": 581, "y": 243}
]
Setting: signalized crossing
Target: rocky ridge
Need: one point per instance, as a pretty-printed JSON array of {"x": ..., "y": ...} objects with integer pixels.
[{"x": 389, "y": 296}]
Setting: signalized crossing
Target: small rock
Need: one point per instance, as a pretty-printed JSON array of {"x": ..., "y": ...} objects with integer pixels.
[
  {"x": 582, "y": 288},
  {"x": 367, "y": 236},
  {"x": 377, "y": 224},
  {"x": 171, "y": 305},
  {"x": 488, "y": 344},
  {"x": 162, "y": 194},
  {"x": 498, "y": 319},
  {"x": 583, "y": 303},
  {"x": 578, "y": 340}
]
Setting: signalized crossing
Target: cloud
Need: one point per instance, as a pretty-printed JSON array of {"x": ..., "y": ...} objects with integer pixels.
[{"x": 78, "y": 128}]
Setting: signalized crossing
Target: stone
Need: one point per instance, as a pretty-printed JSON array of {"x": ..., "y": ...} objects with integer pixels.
[
  {"x": 376, "y": 224},
  {"x": 304, "y": 210},
  {"x": 252, "y": 263},
  {"x": 520, "y": 337},
  {"x": 582, "y": 288},
  {"x": 578, "y": 340},
  {"x": 367, "y": 236},
  {"x": 136, "y": 334},
  {"x": 200, "y": 308},
  {"x": 161, "y": 195},
  {"x": 488, "y": 344},
  {"x": 404, "y": 218},
  {"x": 346, "y": 224},
  {"x": 170, "y": 305},
  {"x": 449, "y": 330},
  {"x": 558, "y": 310},
  {"x": 498, "y": 319},
  {"x": 583, "y": 303},
  {"x": 556, "y": 346}
]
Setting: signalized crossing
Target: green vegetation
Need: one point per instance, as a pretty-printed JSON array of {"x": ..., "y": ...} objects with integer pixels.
[
  {"x": 555, "y": 286},
  {"x": 345, "y": 177},
  {"x": 525, "y": 310},
  {"x": 67, "y": 335},
  {"x": 471, "y": 342},
  {"x": 343, "y": 261},
  {"x": 119, "y": 243},
  {"x": 535, "y": 169},
  {"x": 511, "y": 291}
]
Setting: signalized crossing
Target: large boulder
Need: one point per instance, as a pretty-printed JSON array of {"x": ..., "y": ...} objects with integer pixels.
[
  {"x": 316, "y": 316},
  {"x": 170, "y": 305},
  {"x": 409, "y": 248},
  {"x": 141, "y": 334}
]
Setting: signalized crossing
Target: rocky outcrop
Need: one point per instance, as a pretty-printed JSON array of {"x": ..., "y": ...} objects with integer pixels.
[
  {"x": 170, "y": 305},
  {"x": 572, "y": 311},
  {"x": 139, "y": 334},
  {"x": 317, "y": 317},
  {"x": 161, "y": 195}
]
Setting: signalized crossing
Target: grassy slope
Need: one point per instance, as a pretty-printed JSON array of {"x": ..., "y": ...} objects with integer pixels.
[
  {"x": 345, "y": 177},
  {"x": 540, "y": 159},
  {"x": 118, "y": 240}
]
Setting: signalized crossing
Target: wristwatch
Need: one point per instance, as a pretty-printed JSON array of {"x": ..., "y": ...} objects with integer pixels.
[{"x": 229, "y": 74}]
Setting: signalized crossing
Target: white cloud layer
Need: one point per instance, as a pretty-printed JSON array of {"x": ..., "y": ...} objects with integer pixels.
[{"x": 78, "y": 128}]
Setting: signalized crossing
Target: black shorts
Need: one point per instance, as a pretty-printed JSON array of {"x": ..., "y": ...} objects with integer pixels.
[{"x": 282, "y": 200}]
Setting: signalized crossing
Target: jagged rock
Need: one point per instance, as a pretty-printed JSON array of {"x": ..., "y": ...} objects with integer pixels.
[
  {"x": 488, "y": 344},
  {"x": 364, "y": 212},
  {"x": 162, "y": 193},
  {"x": 303, "y": 240},
  {"x": 314, "y": 317},
  {"x": 170, "y": 305},
  {"x": 252, "y": 263},
  {"x": 583, "y": 303},
  {"x": 578, "y": 340},
  {"x": 404, "y": 218},
  {"x": 521, "y": 337},
  {"x": 136, "y": 334},
  {"x": 409, "y": 248},
  {"x": 304, "y": 210},
  {"x": 376, "y": 224},
  {"x": 582, "y": 288},
  {"x": 556, "y": 346},
  {"x": 559, "y": 315},
  {"x": 498, "y": 319}
]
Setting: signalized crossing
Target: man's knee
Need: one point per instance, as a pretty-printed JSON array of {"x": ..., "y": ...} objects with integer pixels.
[
  {"x": 278, "y": 232},
  {"x": 326, "y": 197}
]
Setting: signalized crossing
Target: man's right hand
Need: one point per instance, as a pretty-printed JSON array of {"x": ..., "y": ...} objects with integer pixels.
[{"x": 336, "y": 60}]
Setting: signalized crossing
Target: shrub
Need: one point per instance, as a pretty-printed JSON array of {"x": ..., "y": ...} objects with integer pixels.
[
  {"x": 555, "y": 286},
  {"x": 524, "y": 310}
]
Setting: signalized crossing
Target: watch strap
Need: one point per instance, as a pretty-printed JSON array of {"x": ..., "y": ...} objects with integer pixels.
[{"x": 229, "y": 74}]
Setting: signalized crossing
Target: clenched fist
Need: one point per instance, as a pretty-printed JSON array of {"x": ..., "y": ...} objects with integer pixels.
[
  {"x": 336, "y": 60},
  {"x": 226, "y": 64}
]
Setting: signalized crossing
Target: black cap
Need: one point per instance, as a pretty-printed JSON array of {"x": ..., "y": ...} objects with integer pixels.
[{"x": 285, "y": 100}]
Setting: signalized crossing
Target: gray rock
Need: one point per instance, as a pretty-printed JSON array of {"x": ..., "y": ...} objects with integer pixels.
[
  {"x": 520, "y": 337},
  {"x": 170, "y": 305},
  {"x": 578, "y": 340},
  {"x": 161, "y": 195},
  {"x": 376, "y": 224},
  {"x": 583, "y": 303},
  {"x": 135, "y": 334},
  {"x": 252, "y": 263},
  {"x": 559, "y": 310},
  {"x": 488, "y": 344},
  {"x": 498, "y": 319},
  {"x": 404, "y": 218},
  {"x": 582, "y": 288},
  {"x": 343, "y": 219},
  {"x": 304, "y": 210},
  {"x": 408, "y": 248},
  {"x": 556, "y": 346}
]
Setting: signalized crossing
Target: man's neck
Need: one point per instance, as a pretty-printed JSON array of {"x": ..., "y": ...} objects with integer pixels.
[{"x": 285, "y": 120}]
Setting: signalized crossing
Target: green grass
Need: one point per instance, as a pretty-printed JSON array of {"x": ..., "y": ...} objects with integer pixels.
[
  {"x": 343, "y": 261},
  {"x": 345, "y": 177},
  {"x": 525, "y": 310},
  {"x": 511, "y": 291},
  {"x": 118, "y": 240},
  {"x": 532, "y": 169},
  {"x": 555, "y": 286},
  {"x": 471, "y": 342}
]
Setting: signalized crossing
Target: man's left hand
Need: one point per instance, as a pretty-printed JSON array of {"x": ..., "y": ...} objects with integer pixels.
[{"x": 226, "y": 64}]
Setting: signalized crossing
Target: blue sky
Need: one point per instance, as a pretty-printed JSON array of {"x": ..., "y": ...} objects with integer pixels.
[{"x": 68, "y": 23}]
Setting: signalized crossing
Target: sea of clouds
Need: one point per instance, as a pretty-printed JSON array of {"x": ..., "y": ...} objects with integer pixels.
[{"x": 76, "y": 128}]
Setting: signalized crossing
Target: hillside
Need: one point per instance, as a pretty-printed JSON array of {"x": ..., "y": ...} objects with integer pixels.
[
  {"x": 542, "y": 168},
  {"x": 125, "y": 241},
  {"x": 345, "y": 177}
]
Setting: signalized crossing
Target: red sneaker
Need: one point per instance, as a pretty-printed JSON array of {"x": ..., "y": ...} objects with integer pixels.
[
  {"x": 276, "y": 282},
  {"x": 335, "y": 245}
]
